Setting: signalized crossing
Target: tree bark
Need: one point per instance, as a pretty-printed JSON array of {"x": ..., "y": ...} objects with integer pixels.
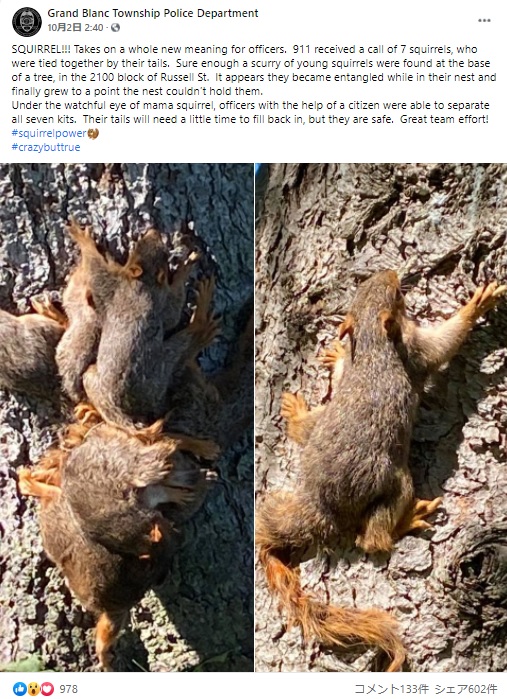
[
  {"x": 201, "y": 617},
  {"x": 321, "y": 229}
]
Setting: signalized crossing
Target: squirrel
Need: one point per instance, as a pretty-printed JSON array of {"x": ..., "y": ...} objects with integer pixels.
[
  {"x": 111, "y": 501},
  {"x": 114, "y": 484},
  {"x": 135, "y": 310},
  {"x": 27, "y": 349},
  {"x": 131, "y": 473},
  {"x": 102, "y": 524},
  {"x": 106, "y": 583},
  {"x": 354, "y": 481},
  {"x": 77, "y": 349},
  {"x": 220, "y": 406},
  {"x": 114, "y": 480}
]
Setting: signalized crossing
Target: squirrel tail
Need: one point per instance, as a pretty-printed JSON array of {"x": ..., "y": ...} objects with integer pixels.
[{"x": 283, "y": 525}]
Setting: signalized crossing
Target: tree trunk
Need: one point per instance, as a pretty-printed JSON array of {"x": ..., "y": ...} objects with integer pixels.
[
  {"x": 201, "y": 618},
  {"x": 321, "y": 229}
]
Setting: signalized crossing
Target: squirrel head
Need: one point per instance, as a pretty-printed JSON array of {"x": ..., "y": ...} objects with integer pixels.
[
  {"x": 378, "y": 308},
  {"x": 149, "y": 259}
]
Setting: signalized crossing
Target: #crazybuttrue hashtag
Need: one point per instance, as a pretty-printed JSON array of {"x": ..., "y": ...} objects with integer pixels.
[{"x": 14, "y": 146}]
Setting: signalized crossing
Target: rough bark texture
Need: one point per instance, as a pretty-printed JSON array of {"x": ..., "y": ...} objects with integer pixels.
[
  {"x": 201, "y": 618},
  {"x": 320, "y": 230}
]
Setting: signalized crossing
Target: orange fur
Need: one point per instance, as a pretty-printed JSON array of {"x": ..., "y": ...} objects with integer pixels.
[{"x": 332, "y": 626}]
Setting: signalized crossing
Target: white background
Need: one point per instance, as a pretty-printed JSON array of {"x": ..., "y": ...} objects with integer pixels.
[{"x": 315, "y": 23}]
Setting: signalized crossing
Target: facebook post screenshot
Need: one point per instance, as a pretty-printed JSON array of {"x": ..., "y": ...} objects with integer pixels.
[{"x": 253, "y": 348}]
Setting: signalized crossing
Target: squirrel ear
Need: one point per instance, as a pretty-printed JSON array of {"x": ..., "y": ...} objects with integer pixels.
[
  {"x": 153, "y": 233},
  {"x": 390, "y": 325},
  {"x": 347, "y": 327},
  {"x": 156, "y": 534},
  {"x": 89, "y": 298},
  {"x": 162, "y": 277},
  {"x": 135, "y": 271}
]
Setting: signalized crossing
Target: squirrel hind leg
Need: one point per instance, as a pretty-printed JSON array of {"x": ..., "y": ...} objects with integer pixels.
[
  {"x": 378, "y": 530},
  {"x": 107, "y": 631},
  {"x": 283, "y": 523},
  {"x": 379, "y": 524}
]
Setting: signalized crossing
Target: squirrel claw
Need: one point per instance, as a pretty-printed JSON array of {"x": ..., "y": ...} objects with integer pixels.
[
  {"x": 193, "y": 257},
  {"x": 293, "y": 406},
  {"x": 45, "y": 307},
  {"x": 414, "y": 517},
  {"x": 332, "y": 354},
  {"x": 181, "y": 496},
  {"x": 485, "y": 298},
  {"x": 86, "y": 412}
]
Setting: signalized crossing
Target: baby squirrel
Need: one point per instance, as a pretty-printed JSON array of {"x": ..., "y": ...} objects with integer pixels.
[
  {"x": 27, "y": 350},
  {"x": 220, "y": 406},
  {"x": 133, "y": 309},
  {"x": 114, "y": 484},
  {"x": 107, "y": 584},
  {"x": 110, "y": 500},
  {"x": 354, "y": 479},
  {"x": 114, "y": 481},
  {"x": 78, "y": 347},
  {"x": 100, "y": 492}
]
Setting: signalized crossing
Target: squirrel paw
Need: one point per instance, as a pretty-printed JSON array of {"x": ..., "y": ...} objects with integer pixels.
[
  {"x": 205, "y": 448},
  {"x": 293, "y": 407},
  {"x": 207, "y": 330},
  {"x": 332, "y": 354},
  {"x": 150, "y": 434},
  {"x": 105, "y": 660},
  {"x": 85, "y": 413},
  {"x": 29, "y": 485},
  {"x": 484, "y": 299},
  {"x": 45, "y": 307},
  {"x": 203, "y": 324},
  {"x": 414, "y": 517},
  {"x": 180, "y": 496},
  {"x": 300, "y": 420},
  {"x": 185, "y": 267},
  {"x": 204, "y": 294}
]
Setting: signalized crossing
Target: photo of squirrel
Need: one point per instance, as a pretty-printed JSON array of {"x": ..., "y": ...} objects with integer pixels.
[
  {"x": 371, "y": 477},
  {"x": 362, "y": 488},
  {"x": 100, "y": 518},
  {"x": 138, "y": 442},
  {"x": 34, "y": 369},
  {"x": 134, "y": 305}
]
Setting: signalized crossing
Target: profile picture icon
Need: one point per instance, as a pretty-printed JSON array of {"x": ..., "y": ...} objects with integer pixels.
[{"x": 27, "y": 22}]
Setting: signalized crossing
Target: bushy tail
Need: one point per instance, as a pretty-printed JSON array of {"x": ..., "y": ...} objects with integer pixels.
[{"x": 283, "y": 525}]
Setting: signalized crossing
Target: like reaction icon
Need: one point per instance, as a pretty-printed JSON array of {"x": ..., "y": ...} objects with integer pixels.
[
  {"x": 47, "y": 689},
  {"x": 19, "y": 689}
]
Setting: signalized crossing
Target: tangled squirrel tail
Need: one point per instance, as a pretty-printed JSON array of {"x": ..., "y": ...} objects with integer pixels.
[{"x": 283, "y": 525}]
